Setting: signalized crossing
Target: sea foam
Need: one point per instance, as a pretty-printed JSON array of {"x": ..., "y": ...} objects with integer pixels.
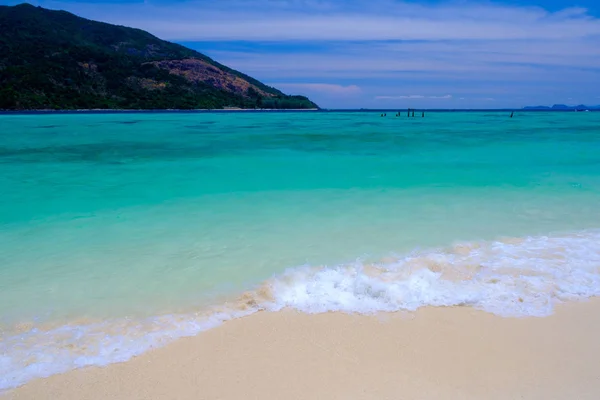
[
  {"x": 511, "y": 278},
  {"x": 522, "y": 277}
]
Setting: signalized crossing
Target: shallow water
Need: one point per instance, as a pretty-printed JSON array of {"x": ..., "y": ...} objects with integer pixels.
[{"x": 119, "y": 232}]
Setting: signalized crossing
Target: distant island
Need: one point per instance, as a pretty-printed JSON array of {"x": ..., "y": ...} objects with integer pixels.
[
  {"x": 563, "y": 107},
  {"x": 57, "y": 60}
]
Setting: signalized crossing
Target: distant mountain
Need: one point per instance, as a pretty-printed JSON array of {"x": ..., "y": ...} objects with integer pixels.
[
  {"x": 56, "y": 60},
  {"x": 537, "y": 108},
  {"x": 563, "y": 107}
]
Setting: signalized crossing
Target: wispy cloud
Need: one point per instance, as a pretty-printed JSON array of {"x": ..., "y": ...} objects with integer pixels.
[
  {"x": 348, "y": 20},
  {"x": 486, "y": 60},
  {"x": 327, "y": 88},
  {"x": 412, "y": 97}
]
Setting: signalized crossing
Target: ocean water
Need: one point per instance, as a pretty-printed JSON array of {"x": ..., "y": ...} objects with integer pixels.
[{"x": 122, "y": 232}]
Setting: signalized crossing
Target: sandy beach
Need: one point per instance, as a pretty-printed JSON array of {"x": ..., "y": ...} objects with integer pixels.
[
  {"x": 317, "y": 200},
  {"x": 435, "y": 353}
]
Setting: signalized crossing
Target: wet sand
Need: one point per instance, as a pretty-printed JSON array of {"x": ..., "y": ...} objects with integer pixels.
[{"x": 435, "y": 353}]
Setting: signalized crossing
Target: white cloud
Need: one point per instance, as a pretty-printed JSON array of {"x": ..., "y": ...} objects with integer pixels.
[
  {"x": 349, "y": 20},
  {"x": 412, "y": 97},
  {"x": 480, "y": 41},
  {"x": 487, "y": 60},
  {"x": 326, "y": 88}
]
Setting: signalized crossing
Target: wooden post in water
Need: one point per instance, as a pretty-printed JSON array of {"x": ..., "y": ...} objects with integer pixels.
[
  {"x": 423, "y": 115},
  {"x": 408, "y": 113},
  {"x": 413, "y": 112},
  {"x": 512, "y": 113}
]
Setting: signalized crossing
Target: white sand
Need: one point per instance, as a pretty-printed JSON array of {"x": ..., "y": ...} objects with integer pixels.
[{"x": 436, "y": 353}]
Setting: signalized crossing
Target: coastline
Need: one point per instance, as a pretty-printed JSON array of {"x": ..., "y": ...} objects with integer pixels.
[
  {"x": 434, "y": 353},
  {"x": 275, "y": 110},
  {"x": 166, "y": 110}
]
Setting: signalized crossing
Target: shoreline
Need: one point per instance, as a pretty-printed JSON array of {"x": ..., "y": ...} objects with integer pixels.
[
  {"x": 433, "y": 353},
  {"x": 435, "y": 278},
  {"x": 275, "y": 110},
  {"x": 166, "y": 110}
]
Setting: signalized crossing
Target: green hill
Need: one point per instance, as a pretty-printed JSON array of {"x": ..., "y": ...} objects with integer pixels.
[{"x": 56, "y": 60}]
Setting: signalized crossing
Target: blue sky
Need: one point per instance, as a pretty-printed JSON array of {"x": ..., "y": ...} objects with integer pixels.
[{"x": 386, "y": 53}]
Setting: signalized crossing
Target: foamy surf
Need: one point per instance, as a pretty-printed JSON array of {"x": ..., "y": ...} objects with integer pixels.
[{"x": 510, "y": 278}]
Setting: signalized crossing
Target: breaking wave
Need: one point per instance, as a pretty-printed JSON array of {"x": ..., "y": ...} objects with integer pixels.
[{"x": 517, "y": 277}]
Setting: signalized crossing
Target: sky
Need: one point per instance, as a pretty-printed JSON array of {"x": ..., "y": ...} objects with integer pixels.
[{"x": 386, "y": 53}]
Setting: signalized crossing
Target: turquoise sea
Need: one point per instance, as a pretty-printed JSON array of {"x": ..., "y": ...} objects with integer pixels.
[{"x": 121, "y": 232}]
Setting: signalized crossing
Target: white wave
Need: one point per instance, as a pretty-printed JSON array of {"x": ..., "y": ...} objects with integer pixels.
[
  {"x": 510, "y": 278},
  {"x": 41, "y": 353},
  {"x": 513, "y": 278}
]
